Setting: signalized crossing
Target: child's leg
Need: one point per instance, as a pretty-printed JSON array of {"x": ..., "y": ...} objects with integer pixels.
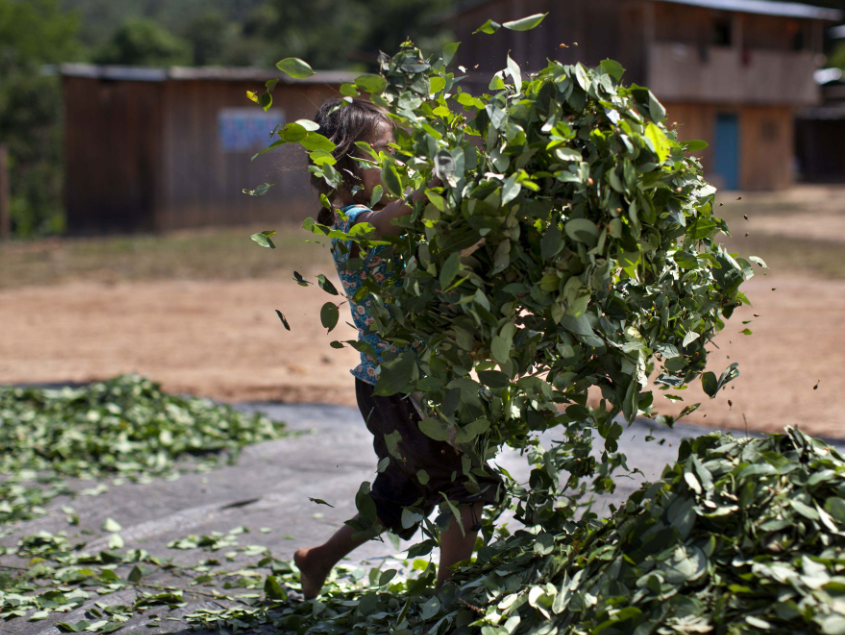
[
  {"x": 455, "y": 546},
  {"x": 315, "y": 563}
]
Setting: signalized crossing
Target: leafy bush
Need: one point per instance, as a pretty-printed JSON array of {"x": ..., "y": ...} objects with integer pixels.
[{"x": 33, "y": 34}]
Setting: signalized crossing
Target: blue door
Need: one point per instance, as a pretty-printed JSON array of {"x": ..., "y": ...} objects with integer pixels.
[{"x": 727, "y": 150}]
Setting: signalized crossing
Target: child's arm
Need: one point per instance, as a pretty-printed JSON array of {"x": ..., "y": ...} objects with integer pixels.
[{"x": 382, "y": 219}]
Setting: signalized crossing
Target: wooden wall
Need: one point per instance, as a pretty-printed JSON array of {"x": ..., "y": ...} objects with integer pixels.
[
  {"x": 202, "y": 184},
  {"x": 767, "y": 147},
  {"x": 678, "y": 23},
  {"x": 592, "y": 30},
  {"x": 766, "y": 139},
  {"x": 678, "y": 72},
  {"x": 769, "y": 59},
  {"x": 112, "y": 150},
  {"x": 146, "y": 156}
]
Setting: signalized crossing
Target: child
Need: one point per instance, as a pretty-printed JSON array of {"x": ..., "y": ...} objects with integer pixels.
[{"x": 397, "y": 486}]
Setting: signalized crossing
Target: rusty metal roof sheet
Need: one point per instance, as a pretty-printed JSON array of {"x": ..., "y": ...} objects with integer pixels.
[
  {"x": 766, "y": 7},
  {"x": 762, "y": 7},
  {"x": 202, "y": 73}
]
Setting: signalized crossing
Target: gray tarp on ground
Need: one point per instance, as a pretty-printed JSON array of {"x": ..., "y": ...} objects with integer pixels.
[{"x": 269, "y": 487}]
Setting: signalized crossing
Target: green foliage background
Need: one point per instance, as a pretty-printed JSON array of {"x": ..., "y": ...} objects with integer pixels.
[
  {"x": 348, "y": 34},
  {"x": 35, "y": 33}
]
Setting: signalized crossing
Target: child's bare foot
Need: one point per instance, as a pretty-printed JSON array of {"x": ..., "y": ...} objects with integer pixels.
[{"x": 312, "y": 574}]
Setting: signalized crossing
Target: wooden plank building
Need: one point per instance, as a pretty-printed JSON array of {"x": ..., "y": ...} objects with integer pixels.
[
  {"x": 154, "y": 150},
  {"x": 730, "y": 72},
  {"x": 820, "y": 130}
]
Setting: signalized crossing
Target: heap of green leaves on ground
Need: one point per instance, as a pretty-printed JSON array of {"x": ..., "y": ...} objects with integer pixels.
[
  {"x": 126, "y": 427},
  {"x": 123, "y": 428},
  {"x": 111, "y": 431},
  {"x": 50, "y": 575},
  {"x": 738, "y": 536}
]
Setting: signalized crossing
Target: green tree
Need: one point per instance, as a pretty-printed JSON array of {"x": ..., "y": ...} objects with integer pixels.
[
  {"x": 837, "y": 57},
  {"x": 207, "y": 35},
  {"x": 34, "y": 33},
  {"x": 350, "y": 32},
  {"x": 144, "y": 42},
  {"x": 101, "y": 18},
  {"x": 331, "y": 33}
]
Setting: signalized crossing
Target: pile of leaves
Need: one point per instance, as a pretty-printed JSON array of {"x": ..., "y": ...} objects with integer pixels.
[
  {"x": 125, "y": 427},
  {"x": 737, "y": 536},
  {"x": 63, "y": 577}
]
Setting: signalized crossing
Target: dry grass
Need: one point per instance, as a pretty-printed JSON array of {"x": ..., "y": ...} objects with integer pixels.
[
  {"x": 208, "y": 254},
  {"x": 800, "y": 231},
  {"x": 824, "y": 259}
]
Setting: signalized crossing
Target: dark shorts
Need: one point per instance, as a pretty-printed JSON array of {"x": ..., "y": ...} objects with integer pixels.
[{"x": 397, "y": 486}]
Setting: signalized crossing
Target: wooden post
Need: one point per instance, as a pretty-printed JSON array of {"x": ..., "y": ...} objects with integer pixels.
[{"x": 5, "y": 215}]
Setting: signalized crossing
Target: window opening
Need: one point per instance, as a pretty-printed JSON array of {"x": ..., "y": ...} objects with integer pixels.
[{"x": 722, "y": 32}]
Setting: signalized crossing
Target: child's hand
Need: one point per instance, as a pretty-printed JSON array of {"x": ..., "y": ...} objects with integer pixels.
[{"x": 382, "y": 219}]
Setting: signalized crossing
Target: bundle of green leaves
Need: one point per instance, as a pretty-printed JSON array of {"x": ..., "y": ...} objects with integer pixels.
[
  {"x": 571, "y": 247},
  {"x": 737, "y": 536}
]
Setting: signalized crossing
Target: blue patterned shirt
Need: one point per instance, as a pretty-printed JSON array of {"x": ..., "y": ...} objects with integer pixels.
[{"x": 375, "y": 268}]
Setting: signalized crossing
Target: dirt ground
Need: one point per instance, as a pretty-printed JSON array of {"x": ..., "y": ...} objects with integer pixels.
[
  {"x": 214, "y": 338},
  {"x": 221, "y": 338}
]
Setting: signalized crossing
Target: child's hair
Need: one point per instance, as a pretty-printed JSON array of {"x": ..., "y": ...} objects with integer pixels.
[{"x": 344, "y": 124}]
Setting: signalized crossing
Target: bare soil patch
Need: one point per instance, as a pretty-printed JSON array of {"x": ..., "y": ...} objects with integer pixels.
[
  {"x": 215, "y": 339},
  {"x": 222, "y": 339},
  {"x": 196, "y": 311},
  {"x": 800, "y": 230}
]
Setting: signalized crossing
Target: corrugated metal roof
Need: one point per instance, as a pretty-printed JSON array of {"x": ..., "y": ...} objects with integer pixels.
[
  {"x": 822, "y": 112},
  {"x": 128, "y": 73},
  {"x": 766, "y": 7},
  {"x": 763, "y": 7},
  {"x": 827, "y": 75},
  {"x": 206, "y": 73}
]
